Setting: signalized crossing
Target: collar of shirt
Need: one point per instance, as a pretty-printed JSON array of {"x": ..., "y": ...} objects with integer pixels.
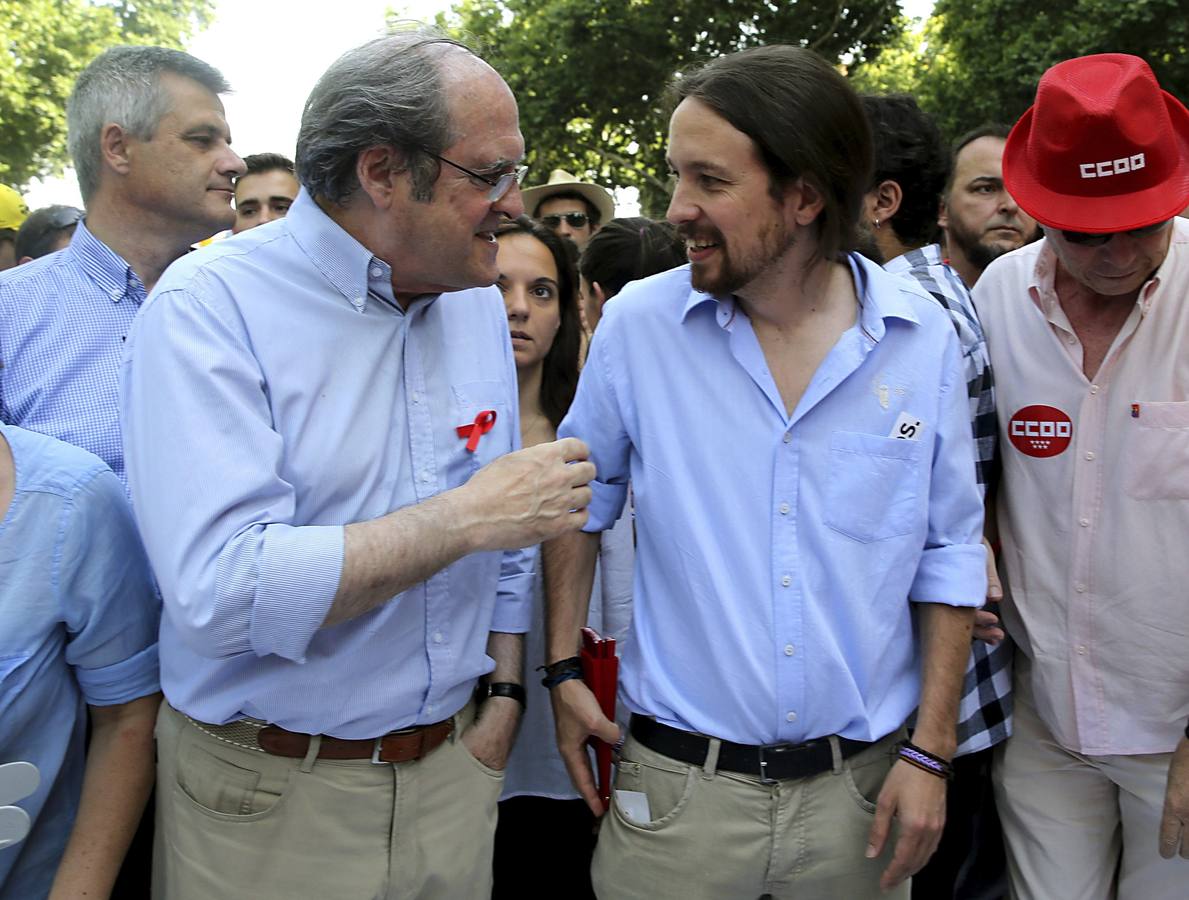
[
  {"x": 350, "y": 267},
  {"x": 874, "y": 307},
  {"x": 929, "y": 255},
  {"x": 104, "y": 266}
]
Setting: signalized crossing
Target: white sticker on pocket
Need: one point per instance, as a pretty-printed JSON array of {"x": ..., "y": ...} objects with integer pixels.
[
  {"x": 634, "y": 806},
  {"x": 907, "y": 428}
]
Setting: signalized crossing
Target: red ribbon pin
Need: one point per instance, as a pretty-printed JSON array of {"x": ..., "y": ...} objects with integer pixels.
[{"x": 483, "y": 423}]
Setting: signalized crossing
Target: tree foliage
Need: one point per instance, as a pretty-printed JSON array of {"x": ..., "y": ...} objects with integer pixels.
[
  {"x": 979, "y": 61},
  {"x": 589, "y": 74},
  {"x": 47, "y": 43}
]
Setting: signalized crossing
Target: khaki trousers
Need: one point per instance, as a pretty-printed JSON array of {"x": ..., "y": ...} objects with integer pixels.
[
  {"x": 236, "y": 823},
  {"x": 1081, "y": 827},
  {"x": 718, "y": 835}
]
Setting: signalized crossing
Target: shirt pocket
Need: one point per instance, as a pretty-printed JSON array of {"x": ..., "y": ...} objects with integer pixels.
[
  {"x": 873, "y": 486},
  {"x": 1156, "y": 457},
  {"x": 470, "y": 401}
]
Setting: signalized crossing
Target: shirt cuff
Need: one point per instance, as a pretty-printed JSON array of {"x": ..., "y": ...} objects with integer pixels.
[
  {"x": 606, "y": 505},
  {"x": 513, "y": 604},
  {"x": 299, "y": 575},
  {"x": 955, "y": 575},
  {"x": 122, "y": 682}
]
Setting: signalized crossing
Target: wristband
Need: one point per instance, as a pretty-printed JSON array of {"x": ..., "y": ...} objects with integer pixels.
[
  {"x": 924, "y": 760},
  {"x": 562, "y": 670},
  {"x": 488, "y": 689}
]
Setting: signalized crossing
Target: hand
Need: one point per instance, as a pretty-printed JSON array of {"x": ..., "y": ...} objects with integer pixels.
[
  {"x": 531, "y": 495},
  {"x": 577, "y": 716},
  {"x": 986, "y": 623},
  {"x": 490, "y": 738},
  {"x": 917, "y": 800},
  {"x": 987, "y": 628},
  {"x": 1174, "y": 825}
]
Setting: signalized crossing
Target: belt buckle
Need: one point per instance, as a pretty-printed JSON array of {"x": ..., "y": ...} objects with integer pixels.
[
  {"x": 775, "y": 750},
  {"x": 377, "y": 746},
  {"x": 378, "y": 743}
]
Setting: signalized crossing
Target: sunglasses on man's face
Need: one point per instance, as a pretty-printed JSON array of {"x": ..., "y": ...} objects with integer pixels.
[
  {"x": 1085, "y": 239},
  {"x": 574, "y": 220}
]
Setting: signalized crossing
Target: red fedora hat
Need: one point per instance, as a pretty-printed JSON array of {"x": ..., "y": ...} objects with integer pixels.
[{"x": 1102, "y": 149}]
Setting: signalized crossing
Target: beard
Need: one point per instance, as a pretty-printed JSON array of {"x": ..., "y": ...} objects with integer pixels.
[
  {"x": 979, "y": 251},
  {"x": 865, "y": 244},
  {"x": 729, "y": 273}
]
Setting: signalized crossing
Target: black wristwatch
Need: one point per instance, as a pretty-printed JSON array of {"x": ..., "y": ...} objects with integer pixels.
[{"x": 486, "y": 689}]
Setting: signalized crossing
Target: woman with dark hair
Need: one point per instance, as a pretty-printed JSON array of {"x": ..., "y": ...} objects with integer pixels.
[
  {"x": 541, "y": 815},
  {"x": 538, "y": 282},
  {"x": 625, "y": 250}
]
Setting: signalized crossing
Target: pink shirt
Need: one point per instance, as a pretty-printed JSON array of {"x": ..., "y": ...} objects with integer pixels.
[{"x": 1094, "y": 504}]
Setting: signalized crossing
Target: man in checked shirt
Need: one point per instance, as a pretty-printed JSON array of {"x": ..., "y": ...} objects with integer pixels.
[{"x": 898, "y": 228}]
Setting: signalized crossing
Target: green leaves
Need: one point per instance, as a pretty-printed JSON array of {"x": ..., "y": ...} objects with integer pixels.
[
  {"x": 46, "y": 43},
  {"x": 979, "y": 61},
  {"x": 590, "y": 74}
]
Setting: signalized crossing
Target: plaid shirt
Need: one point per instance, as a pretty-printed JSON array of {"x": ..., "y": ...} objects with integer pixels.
[
  {"x": 63, "y": 319},
  {"x": 984, "y": 715}
]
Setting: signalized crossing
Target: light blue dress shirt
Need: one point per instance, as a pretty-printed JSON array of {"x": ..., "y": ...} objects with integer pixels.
[
  {"x": 78, "y": 626},
  {"x": 274, "y": 392},
  {"x": 776, "y": 554},
  {"x": 63, "y": 319}
]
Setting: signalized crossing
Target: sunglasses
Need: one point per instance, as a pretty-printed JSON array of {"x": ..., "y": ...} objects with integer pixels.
[
  {"x": 574, "y": 220},
  {"x": 1086, "y": 239}
]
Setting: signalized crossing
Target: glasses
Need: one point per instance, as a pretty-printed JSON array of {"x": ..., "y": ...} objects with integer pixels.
[
  {"x": 499, "y": 185},
  {"x": 1086, "y": 239},
  {"x": 574, "y": 220}
]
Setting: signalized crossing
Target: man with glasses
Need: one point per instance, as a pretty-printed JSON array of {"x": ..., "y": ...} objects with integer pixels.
[
  {"x": 574, "y": 209},
  {"x": 319, "y": 418},
  {"x": 1088, "y": 331}
]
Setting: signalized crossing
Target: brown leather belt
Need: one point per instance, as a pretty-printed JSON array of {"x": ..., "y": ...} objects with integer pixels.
[{"x": 405, "y": 745}]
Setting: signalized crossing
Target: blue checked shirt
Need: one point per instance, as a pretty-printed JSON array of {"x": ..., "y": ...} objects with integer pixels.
[
  {"x": 776, "y": 553},
  {"x": 63, "y": 320},
  {"x": 984, "y": 715},
  {"x": 273, "y": 392}
]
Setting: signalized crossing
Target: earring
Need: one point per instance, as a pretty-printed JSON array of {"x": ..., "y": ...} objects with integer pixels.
[{"x": 877, "y": 223}]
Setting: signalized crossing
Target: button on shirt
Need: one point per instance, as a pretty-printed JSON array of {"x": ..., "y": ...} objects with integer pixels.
[
  {"x": 725, "y": 580},
  {"x": 274, "y": 391},
  {"x": 984, "y": 712},
  {"x": 78, "y": 626},
  {"x": 63, "y": 320},
  {"x": 1098, "y": 608}
]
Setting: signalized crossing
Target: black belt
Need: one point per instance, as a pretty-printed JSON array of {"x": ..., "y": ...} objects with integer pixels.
[{"x": 770, "y": 762}]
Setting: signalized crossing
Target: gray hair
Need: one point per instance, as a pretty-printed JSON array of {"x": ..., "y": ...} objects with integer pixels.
[
  {"x": 123, "y": 85},
  {"x": 386, "y": 92}
]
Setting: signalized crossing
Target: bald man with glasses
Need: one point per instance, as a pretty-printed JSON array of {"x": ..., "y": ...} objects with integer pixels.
[{"x": 321, "y": 423}]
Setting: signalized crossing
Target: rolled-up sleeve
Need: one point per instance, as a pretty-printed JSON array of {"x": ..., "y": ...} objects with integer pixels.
[
  {"x": 205, "y": 471},
  {"x": 952, "y": 569},
  {"x": 514, "y": 598},
  {"x": 106, "y": 595}
]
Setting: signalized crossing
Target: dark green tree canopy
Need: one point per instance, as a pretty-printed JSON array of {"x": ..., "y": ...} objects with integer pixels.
[
  {"x": 979, "y": 61},
  {"x": 46, "y": 44},
  {"x": 590, "y": 74}
]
